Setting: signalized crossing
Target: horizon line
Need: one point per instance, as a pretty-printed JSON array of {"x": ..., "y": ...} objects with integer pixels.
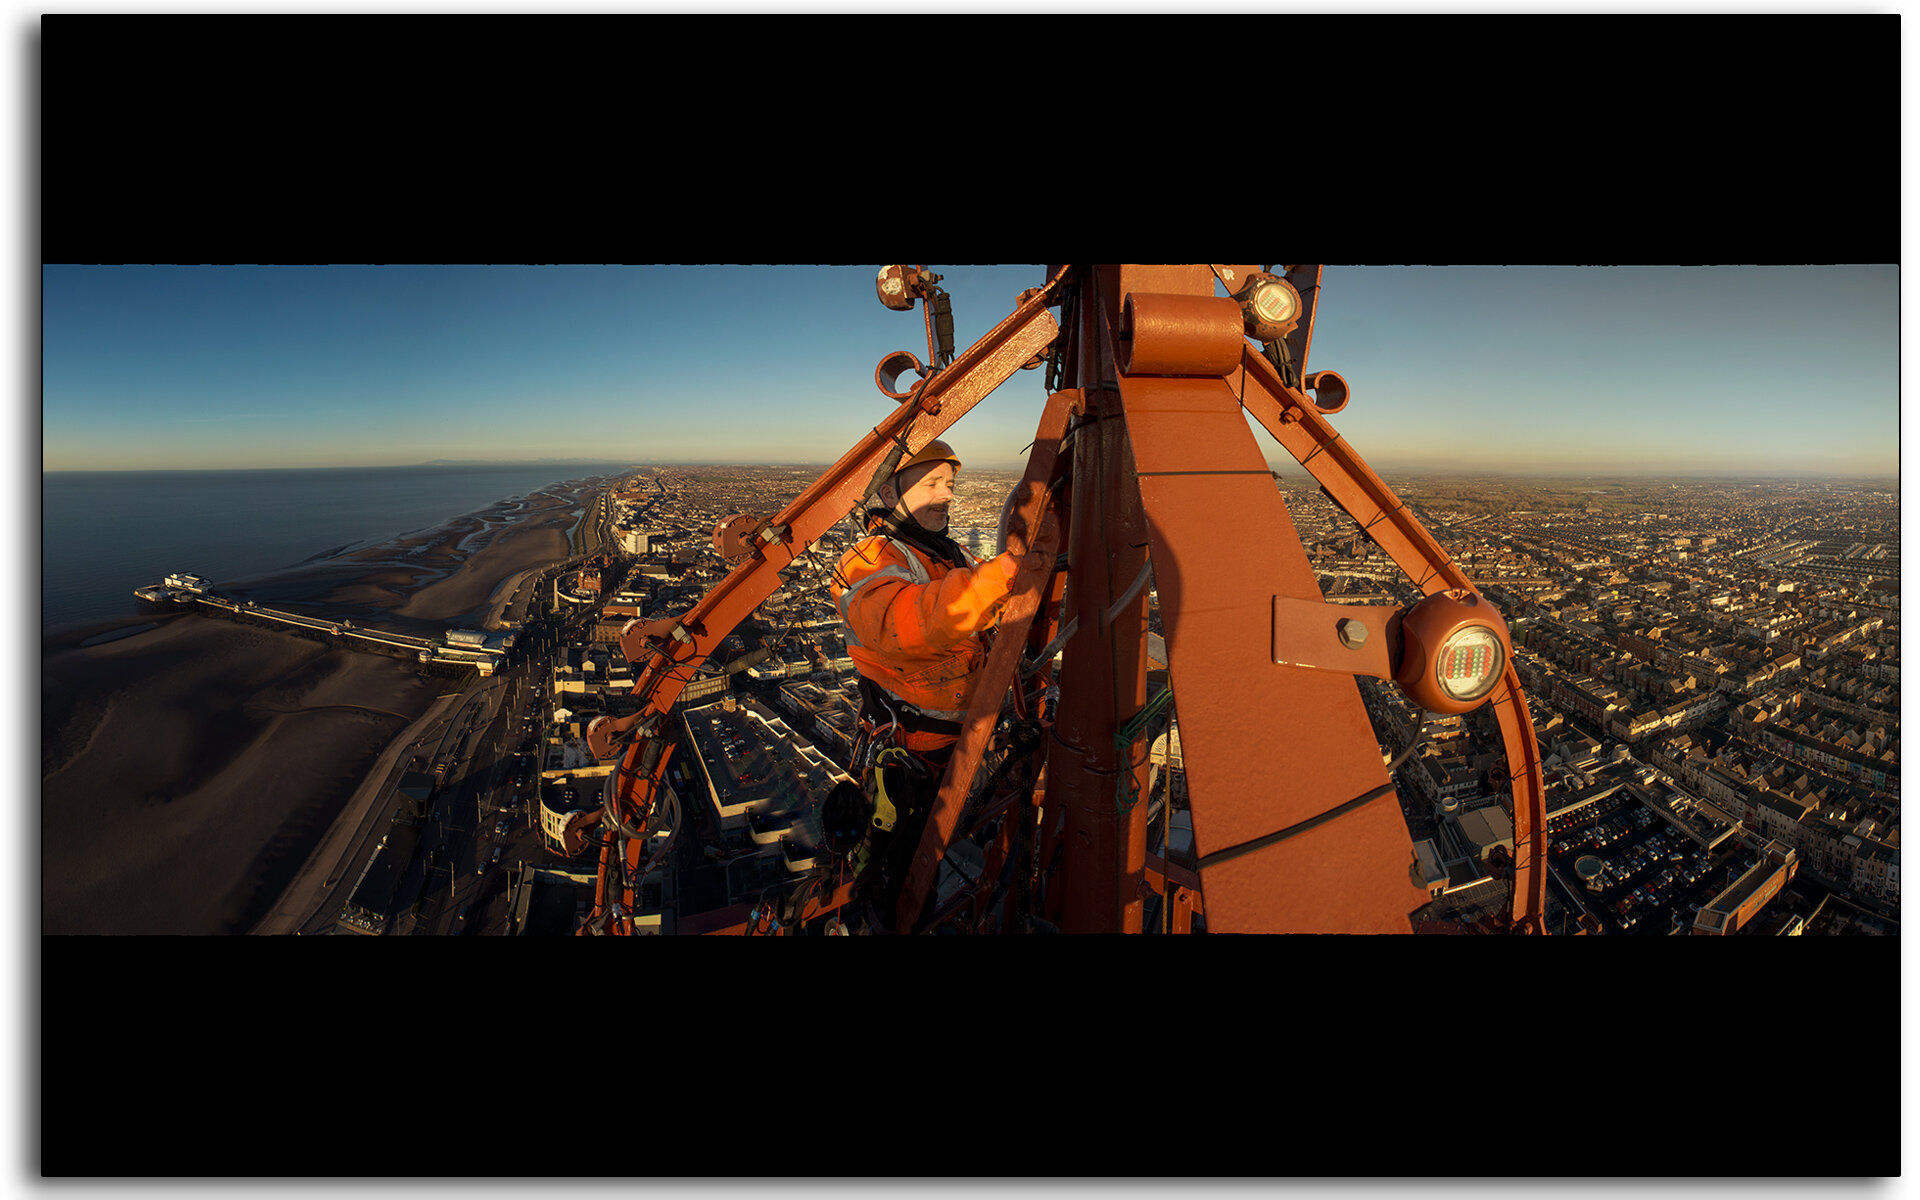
[{"x": 1695, "y": 472}]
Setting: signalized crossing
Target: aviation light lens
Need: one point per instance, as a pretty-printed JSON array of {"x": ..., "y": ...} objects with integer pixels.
[
  {"x": 1275, "y": 301},
  {"x": 1469, "y": 663}
]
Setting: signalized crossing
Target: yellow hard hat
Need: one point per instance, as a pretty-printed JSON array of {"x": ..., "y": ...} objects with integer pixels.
[{"x": 934, "y": 451}]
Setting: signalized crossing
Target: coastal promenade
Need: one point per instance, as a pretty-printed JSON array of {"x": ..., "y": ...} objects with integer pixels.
[
  {"x": 203, "y": 773},
  {"x": 319, "y": 888},
  {"x": 313, "y": 897}
]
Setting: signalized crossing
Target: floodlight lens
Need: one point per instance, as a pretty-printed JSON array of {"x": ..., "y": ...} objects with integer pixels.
[
  {"x": 1469, "y": 663},
  {"x": 1275, "y": 302}
]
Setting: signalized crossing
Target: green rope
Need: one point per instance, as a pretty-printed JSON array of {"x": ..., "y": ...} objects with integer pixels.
[{"x": 1123, "y": 741}]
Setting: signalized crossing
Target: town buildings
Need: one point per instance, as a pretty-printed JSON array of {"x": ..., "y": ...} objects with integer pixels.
[{"x": 1712, "y": 670}]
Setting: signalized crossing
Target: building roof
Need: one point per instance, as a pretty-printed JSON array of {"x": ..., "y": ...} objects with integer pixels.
[{"x": 1485, "y": 827}]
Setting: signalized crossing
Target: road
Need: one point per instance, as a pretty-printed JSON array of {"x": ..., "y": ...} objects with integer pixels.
[
  {"x": 477, "y": 736},
  {"x": 311, "y": 902},
  {"x": 455, "y": 867}
]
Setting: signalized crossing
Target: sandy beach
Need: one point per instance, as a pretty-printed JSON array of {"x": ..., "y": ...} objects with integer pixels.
[
  {"x": 441, "y": 578},
  {"x": 190, "y": 768}
]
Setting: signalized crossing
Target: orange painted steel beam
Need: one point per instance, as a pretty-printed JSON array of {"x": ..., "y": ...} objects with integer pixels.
[
  {"x": 1181, "y": 891},
  {"x": 1267, "y": 747},
  {"x": 1298, "y": 426},
  {"x": 1295, "y": 422},
  {"x": 1097, "y": 851},
  {"x": 1529, "y": 913},
  {"x": 667, "y": 653},
  {"x": 1003, "y": 660}
]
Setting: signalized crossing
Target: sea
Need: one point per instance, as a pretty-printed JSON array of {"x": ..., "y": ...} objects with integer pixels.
[{"x": 105, "y": 533}]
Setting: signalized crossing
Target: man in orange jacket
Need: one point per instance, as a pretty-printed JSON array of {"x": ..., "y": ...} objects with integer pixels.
[{"x": 917, "y": 609}]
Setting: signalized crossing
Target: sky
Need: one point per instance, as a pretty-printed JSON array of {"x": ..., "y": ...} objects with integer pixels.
[{"x": 1655, "y": 369}]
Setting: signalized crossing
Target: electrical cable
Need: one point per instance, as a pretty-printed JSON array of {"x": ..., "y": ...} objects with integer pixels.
[{"x": 1233, "y": 852}]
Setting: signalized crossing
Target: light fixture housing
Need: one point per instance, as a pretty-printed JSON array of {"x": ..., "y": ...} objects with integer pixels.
[
  {"x": 1270, "y": 307},
  {"x": 1454, "y": 651}
]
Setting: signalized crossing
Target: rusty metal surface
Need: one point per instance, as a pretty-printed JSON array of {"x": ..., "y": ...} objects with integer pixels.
[
  {"x": 887, "y": 375},
  {"x": 1164, "y": 334},
  {"x": 896, "y": 285},
  {"x": 1529, "y": 912},
  {"x": 1097, "y": 857},
  {"x": 1329, "y": 390},
  {"x": 1266, "y": 747},
  {"x": 1161, "y": 874},
  {"x": 1313, "y": 633},
  {"x": 733, "y": 536}
]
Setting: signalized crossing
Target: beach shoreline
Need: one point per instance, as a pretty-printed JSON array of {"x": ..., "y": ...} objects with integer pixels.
[{"x": 195, "y": 768}]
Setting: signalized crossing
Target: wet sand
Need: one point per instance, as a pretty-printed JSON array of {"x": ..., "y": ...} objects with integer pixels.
[
  {"x": 189, "y": 770},
  {"x": 445, "y": 577}
]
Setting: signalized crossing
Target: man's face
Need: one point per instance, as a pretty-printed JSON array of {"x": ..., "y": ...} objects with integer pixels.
[{"x": 928, "y": 499}]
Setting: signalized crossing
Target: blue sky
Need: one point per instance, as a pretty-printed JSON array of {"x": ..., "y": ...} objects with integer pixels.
[{"x": 1765, "y": 369}]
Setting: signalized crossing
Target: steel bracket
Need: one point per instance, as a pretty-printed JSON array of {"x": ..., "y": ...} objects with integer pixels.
[{"x": 1360, "y": 639}]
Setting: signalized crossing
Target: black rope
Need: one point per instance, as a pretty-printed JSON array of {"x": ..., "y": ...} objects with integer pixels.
[
  {"x": 1383, "y": 514},
  {"x": 1233, "y": 852},
  {"x": 1299, "y": 827},
  {"x": 1063, "y": 341},
  {"x": 1318, "y": 449}
]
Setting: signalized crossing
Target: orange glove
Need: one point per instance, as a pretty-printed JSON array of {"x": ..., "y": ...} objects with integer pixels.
[{"x": 1015, "y": 536}]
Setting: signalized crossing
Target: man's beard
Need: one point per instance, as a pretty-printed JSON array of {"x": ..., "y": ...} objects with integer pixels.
[{"x": 939, "y": 519}]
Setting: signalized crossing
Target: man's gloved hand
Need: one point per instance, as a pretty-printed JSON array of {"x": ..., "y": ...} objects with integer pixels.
[{"x": 1015, "y": 536}]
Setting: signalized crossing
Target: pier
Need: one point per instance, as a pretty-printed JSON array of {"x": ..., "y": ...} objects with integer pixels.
[{"x": 461, "y": 646}]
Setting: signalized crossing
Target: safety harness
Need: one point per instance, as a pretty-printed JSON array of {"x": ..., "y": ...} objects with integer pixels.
[{"x": 873, "y": 822}]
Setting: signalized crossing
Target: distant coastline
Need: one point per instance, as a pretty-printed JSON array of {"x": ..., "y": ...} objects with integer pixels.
[
  {"x": 438, "y": 462},
  {"x": 191, "y": 766},
  {"x": 105, "y": 533}
]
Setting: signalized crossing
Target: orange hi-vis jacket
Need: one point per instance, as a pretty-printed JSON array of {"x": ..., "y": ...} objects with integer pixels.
[{"x": 913, "y": 623}]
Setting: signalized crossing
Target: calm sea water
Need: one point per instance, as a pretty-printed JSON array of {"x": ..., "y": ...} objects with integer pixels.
[{"x": 105, "y": 533}]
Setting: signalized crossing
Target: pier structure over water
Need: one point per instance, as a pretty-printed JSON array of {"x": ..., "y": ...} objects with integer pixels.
[{"x": 469, "y": 647}]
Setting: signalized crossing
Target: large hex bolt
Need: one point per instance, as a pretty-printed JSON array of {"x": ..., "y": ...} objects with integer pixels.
[{"x": 1352, "y": 631}]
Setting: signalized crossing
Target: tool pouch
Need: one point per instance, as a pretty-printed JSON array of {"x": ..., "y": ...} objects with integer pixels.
[
  {"x": 844, "y": 815},
  {"x": 902, "y": 787}
]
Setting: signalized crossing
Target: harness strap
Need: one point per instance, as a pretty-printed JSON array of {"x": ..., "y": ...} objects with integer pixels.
[{"x": 881, "y": 707}]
